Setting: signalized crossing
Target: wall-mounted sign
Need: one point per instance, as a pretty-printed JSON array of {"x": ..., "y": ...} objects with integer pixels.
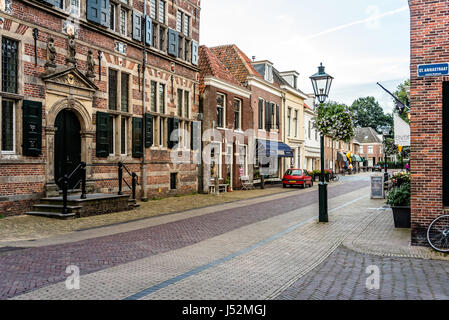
[
  {"x": 120, "y": 47},
  {"x": 433, "y": 70}
]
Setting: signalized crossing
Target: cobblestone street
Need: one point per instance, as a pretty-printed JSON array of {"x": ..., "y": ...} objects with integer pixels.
[{"x": 263, "y": 248}]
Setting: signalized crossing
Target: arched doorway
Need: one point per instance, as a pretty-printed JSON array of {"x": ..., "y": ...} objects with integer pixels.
[{"x": 67, "y": 146}]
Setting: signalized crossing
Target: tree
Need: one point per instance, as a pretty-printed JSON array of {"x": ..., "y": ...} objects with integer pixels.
[
  {"x": 402, "y": 95},
  {"x": 367, "y": 112},
  {"x": 335, "y": 120}
]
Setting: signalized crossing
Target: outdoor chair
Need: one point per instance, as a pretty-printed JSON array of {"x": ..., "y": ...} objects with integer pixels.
[{"x": 246, "y": 183}]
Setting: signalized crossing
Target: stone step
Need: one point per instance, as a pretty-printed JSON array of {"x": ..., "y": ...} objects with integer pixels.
[
  {"x": 54, "y": 208},
  {"x": 54, "y": 215}
]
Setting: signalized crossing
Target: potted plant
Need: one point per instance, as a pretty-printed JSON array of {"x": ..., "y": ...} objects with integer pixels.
[
  {"x": 399, "y": 200},
  {"x": 327, "y": 174},
  {"x": 316, "y": 175},
  {"x": 399, "y": 178},
  {"x": 228, "y": 183}
]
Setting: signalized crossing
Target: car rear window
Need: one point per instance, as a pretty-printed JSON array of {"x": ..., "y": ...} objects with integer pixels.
[{"x": 294, "y": 173}]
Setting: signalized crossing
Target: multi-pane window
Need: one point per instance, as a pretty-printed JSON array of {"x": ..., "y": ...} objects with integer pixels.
[
  {"x": 153, "y": 96},
  {"x": 183, "y": 103},
  {"x": 186, "y": 25},
  {"x": 237, "y": 113},
  {"x": 261, "y": 104},
  {"x": 161, "y": 11},
  {"x": 7, "y": 121},
  {"x": 179, "y": 21},
  {"x": 361, "y": 149},
  {"x": 220, "y": 110},
  {"x": 370, "y": 149},
  {"x": 289, "y": 118},
  {"x": 123, "y": 21},
  {"x": 111, "y": 135},
  {"x": 162, "y": 98},
  {"x": 153, "y": 9},
  {"x": 112, "y": 10},
  {"x": 125, "y": 92},
  {"x": 123, "y": 135},
  {"x": 9, "y": 65},
  {"x": 113, "y": 81},
  {"x": 295, "y": 123},
  {"x": 186, "y": 104},
  {"x": 75, "y": 8}
]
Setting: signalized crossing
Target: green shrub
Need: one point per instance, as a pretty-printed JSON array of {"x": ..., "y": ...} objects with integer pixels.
[
  {"x": 400, "y": 196},
  {"x": 1, "y": 216}
]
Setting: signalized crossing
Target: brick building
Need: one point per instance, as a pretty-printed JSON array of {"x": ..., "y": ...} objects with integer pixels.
[
  {"x": 429, "y": 122},
  {"x": 370, "y": 146},
  {"x": 72, "y": 90},
  {"x": 266, "y": 105},
  {"x": 226, "y": 108}
]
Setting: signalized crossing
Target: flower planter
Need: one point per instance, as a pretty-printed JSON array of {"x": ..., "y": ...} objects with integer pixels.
[{"x": 401, "y": 217}]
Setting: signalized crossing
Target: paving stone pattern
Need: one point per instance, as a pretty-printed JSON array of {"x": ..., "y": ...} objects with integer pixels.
[
  {"x": 30, "y": 269},
  {"x": 342, "y": 276}
]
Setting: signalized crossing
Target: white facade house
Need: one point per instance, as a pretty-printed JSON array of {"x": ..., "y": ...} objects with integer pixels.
[{"x": 312, "y": 141}]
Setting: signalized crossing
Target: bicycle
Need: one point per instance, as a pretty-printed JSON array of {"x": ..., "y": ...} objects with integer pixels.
[{"x": 438, "y": 234}]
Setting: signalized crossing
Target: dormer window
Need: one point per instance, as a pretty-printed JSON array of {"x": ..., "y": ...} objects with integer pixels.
[{"x": 268, "y": 73}]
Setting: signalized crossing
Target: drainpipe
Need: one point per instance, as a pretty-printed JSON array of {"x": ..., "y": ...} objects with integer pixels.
[{"x": 143, "y": 181}]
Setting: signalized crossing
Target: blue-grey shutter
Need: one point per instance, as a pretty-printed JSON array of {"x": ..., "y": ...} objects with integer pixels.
[
  {"x": 32, "y": 128},
  {"x": 137, "y": 138},
  {"x": 105, "y": 13},
  {"x": 93, "y": 11},
  {"x": 148, "y": 31},
  {"x": 194, "y": 53},
  {"x": 137, "y": 26},
  {"x": 102, "y": 143},
  {"x": 173, "y": 42},
  {"x": 148, "y": 130}
]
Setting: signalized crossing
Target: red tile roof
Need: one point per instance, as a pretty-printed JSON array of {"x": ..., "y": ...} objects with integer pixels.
[
  {"x": 210, "y": 65},
  {"x": 235, "y": 61}
]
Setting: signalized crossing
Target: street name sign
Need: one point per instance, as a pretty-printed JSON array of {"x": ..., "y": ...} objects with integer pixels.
[{"x": 433, "y": 70}]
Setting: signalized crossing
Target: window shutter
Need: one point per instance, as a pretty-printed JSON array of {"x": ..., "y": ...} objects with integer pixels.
[
  {"x": 137, "y": 138},
  {"x": 277, "y": 116},
  {"x": 32, "y": 128},
  {"x": 173, "y": 42},
  {"x": 148, "y": 130},
  {"x": 105, "y": 13},
  {"x": 137, "y": 26},
  {"x": 194, "y": 53},
  {"x": 93, "y": 11},
  {"x": 148, "y": 31},
  {"x": 102, "y": 135}
]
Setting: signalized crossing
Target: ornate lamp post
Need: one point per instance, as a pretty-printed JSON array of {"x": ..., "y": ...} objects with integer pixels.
[
  {"x": 386, "y": 132},
  {"x": 321, "y": 83}
]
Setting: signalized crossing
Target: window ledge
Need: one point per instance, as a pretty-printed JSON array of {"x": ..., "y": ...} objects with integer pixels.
[{"x": 13, "y": 96}]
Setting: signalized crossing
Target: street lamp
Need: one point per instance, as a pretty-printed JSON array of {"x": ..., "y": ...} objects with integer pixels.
[
  {"x": 386, "y": 132},
  {"x": 321, "y": 83}
]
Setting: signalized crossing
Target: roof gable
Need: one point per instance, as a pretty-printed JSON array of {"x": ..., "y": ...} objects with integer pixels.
[
  {"x": 210, "y": 65},
  {"x": 366, "y": 135}
]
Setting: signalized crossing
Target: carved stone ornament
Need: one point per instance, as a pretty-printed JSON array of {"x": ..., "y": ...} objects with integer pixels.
[
  {"x": 71, "y": 51},
  {"x": 50, "y": 65},
  {"x": 90, "y": 65}
]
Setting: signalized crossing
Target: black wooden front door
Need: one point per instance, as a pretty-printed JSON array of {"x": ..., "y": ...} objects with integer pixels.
[{"x": 67, "y": 147}]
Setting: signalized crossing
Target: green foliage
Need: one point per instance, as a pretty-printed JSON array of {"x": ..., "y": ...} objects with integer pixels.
[
  {"x": 334, "y": 120},
  {"x": 316, "y": 172},
  {"x": 401, "y": 177},
  {"x": 400, "y": 196},
  {"x": 402, "y": 95},
  {"x": 1, "y": 216},
  {"x": 367, "y": 112}
]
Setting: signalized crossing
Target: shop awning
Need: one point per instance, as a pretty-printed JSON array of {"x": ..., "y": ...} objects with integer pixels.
[
  {"x": 274, "y": 149},
  {"x": 356, "y": 158}
]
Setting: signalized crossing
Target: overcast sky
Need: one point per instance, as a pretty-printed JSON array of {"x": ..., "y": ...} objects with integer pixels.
[{"x": 359, "y": 42}]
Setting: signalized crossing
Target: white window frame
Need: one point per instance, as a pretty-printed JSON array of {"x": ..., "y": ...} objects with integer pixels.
[
  {"x": 224, "y": 110},
  {"x": 162, "y": 16},
  {"x": 13, "y": 151},
  {"x": 370, "y": 150},
  {"x": 220, "y": 159},
  {"x": 75, "y": 10},
  {"x": 245, "y": 164},
  {"x": 186, "y": 26},
  {"x": 125, "y": 33},
  {"x": 179, "y": 20},
  {"x": 153, "y": 10},
  {"x": 240, "y": 114}
]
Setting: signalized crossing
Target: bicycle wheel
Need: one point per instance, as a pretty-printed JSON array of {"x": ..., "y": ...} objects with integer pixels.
[{"x": 438, "y": 234}]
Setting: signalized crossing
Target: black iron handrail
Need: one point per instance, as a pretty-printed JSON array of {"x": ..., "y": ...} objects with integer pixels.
[
  {"x": 134, "y": 181},
  {"x": 65, "y": 180}
]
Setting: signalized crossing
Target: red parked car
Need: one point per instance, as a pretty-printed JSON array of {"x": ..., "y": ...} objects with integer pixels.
[{"x": 297, "y": 177}]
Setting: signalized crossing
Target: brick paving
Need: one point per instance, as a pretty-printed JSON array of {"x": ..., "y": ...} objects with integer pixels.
[
  {"x": 342, "y": 276},
  {"x": 29, "y": 269}
]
